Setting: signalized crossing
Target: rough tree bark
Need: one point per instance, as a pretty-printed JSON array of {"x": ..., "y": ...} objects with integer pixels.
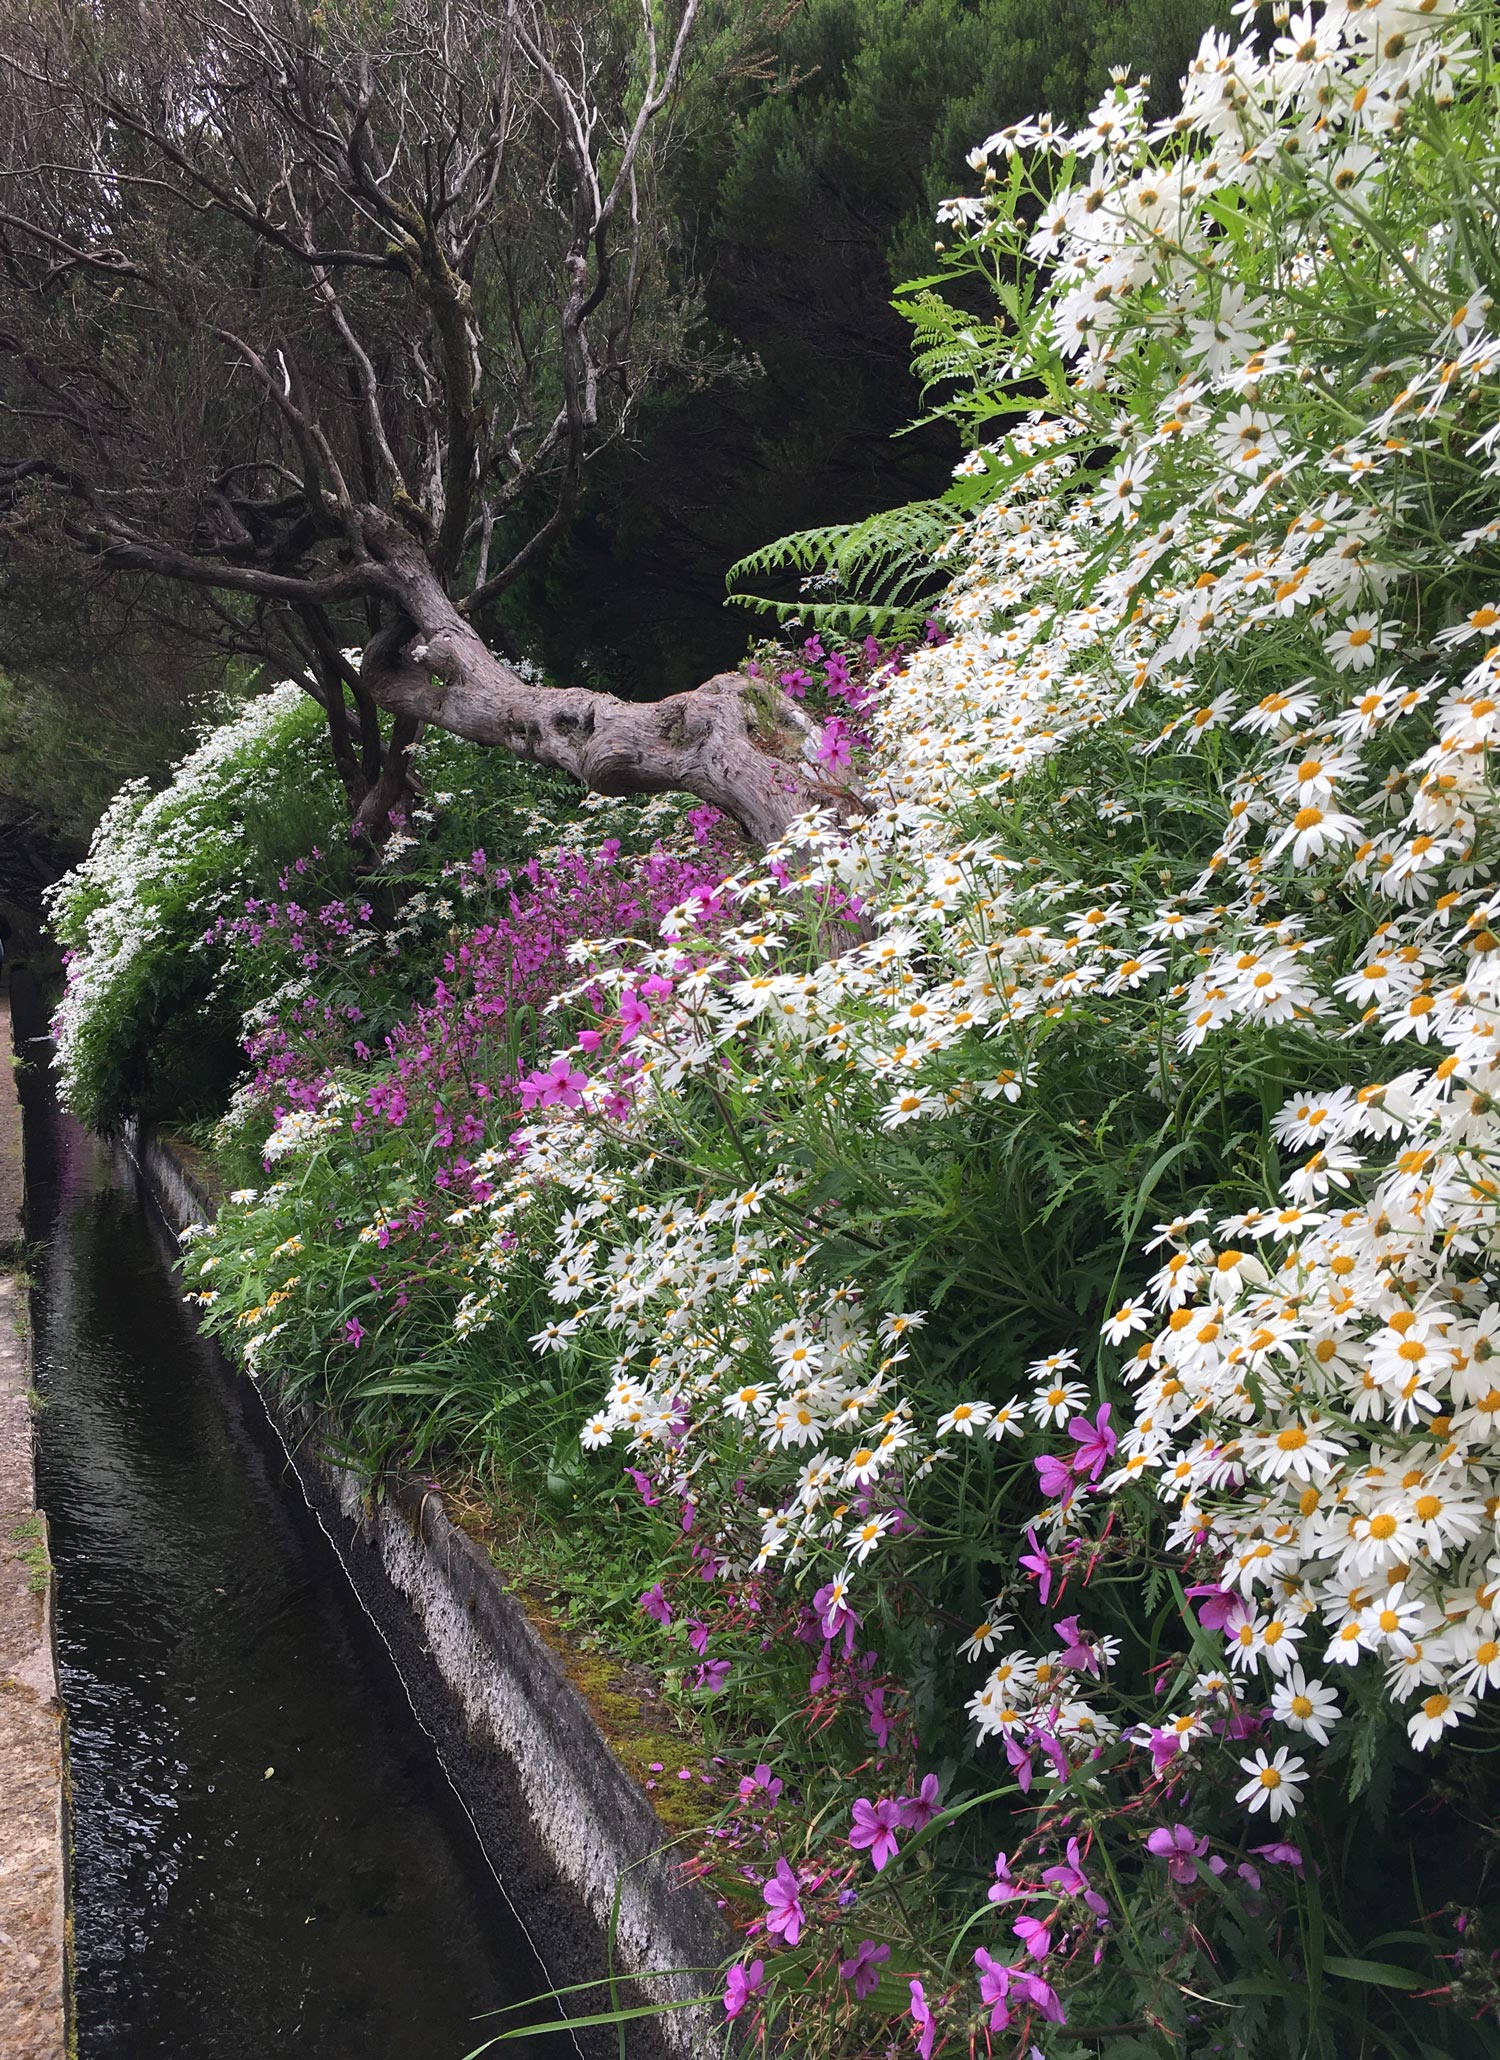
[{"x": 733, "y": 741}]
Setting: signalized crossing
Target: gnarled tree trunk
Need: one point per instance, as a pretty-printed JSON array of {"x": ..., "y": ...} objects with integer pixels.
[{"x": 734, "y": 742}]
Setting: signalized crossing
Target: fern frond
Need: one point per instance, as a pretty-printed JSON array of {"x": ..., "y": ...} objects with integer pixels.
[{"x": 879, "y": 572}]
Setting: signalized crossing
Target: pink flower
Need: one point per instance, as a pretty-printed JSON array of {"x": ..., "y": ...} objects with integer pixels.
[
  {"x": 1038, "y": 1565},
  {"x": 835, "y": 1615},
  {"x": 1096, "y": 1444},
  {"x": 917, "y": 1811},
  {"x": 864, "y": 1969},
  {"x": 783, "y": 1898},
  {"x": 1005, "y": 1889},
  {"x": 635, "y": 1014},
  {"x": 922, "y": 2018},
  {"x": 743, "y": 1983},
  {"x": 1020, "y": 1763},
  {"x": 559, "y": 1083},
  {"x": 1165, "y": 1746},
  {"x": 1078, "y": 1650},
  {"x": 1221, "y": 1609},
  {"x": 1041, "y": 1997},
  {"x": 1280, "y": 1854},
  {"x": 656, "y": 1605},
  {"x": 1000, "y": 1986},
  {"x": 1055, "y": 1476},
  {"x": 1034, "y": 1935},
  {"x": 354, "y": 1331},
  {"x": 994, "y": 1988},
  {"x": 1179, "y": 1849},
  {"x": 644, "y": 1488},
  {"x": 1068, "y": 1878},
  {"x": 875, "y": 1828},
  {"x": 761, "y": 1779},
  {"x": 835, "y": 747}
]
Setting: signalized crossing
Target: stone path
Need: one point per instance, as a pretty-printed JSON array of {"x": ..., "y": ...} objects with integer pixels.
[{"x": 32, "y": 1865}]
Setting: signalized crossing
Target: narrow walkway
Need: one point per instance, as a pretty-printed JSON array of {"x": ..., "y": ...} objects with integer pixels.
[{"x": 32, "y": 1978}]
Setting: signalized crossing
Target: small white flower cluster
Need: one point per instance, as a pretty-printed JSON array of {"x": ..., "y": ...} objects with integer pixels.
[{"x": 177, "y": 855}]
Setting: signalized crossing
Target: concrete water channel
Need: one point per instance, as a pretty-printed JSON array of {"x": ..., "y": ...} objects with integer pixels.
[{"x": 266, "y": 1857}]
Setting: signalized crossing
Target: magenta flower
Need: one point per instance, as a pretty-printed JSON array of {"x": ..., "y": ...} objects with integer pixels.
[
  {"x": 917, "y": 1811},
  {"x": 1000, "y": 1986},
  {"x": 1280, "y": 1854},
  {"x": 635, "y": 1014},
  {"x": 743, "y": 1983},
  {"x": 654, "y": 1602},
  {"x": 923, "y": 2019},
  {"x": 1178, "y": 1847},
  {"x": 1165, "y": 1746},
  {"x": 1078, "y": 1651},
  {"x": 835, "y": 1615},
  {"x": 1096, "y": 1444},
  {"x": 561, "y": 1083},
  {"x": 864, "y": 1968},
  {"x": 760, "y": 1779},
  {"x": 1068, "y": 1878},
  {"x": 558, "y": 1083},
  {"x": 783, "y": 1898},
  {"x": 643, "y": 1487},
  {"x": 994, "y": 1988},
  {"x": 1034, "y": 1935},
  {"x": 1005, "y": 1888},
  {"x": 354, "y": 1331},
  {"x": 875, "y": 1828},
  {"x": 835, "y": 747},
  {"x": 1055, "y": 1475},
  {"x": 882, "y": 1723},
  {"x": 1038, "y": 1565},
  {"x": 1040, "y": 1996},
  {"x": 1221, "y": 1611}
]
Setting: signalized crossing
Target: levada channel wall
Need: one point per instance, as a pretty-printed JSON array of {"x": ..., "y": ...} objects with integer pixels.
[
  {"x": 570, "y": 1833},
  {"x": 33, "y": 1814}
]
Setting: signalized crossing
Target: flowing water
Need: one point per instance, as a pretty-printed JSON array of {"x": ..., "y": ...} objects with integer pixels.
[{"x": 267, "y": 1859}]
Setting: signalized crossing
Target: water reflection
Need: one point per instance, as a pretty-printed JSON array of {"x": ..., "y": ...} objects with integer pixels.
[{"x": 267, "y": 1860}]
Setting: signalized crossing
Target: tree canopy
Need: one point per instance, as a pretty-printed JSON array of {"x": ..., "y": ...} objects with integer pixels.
[{"x": 299, "y": 304}]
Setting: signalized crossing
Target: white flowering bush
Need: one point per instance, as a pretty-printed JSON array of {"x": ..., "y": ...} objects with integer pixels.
[
  {"x": 227, "y": 917},
  {"x": 1180, "y": 883},
  {"x": 1036, "y": 1241},
  {"x": 162, "y": 867}
]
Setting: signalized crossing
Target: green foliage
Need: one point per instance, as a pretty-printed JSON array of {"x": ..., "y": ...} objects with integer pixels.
[{"x": 859, "y": 579}]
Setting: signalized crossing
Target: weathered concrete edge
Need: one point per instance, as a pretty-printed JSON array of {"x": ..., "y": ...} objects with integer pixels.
[
  {"x": 594, "y": 1822},
  {"x": 34, "y": 1970}
]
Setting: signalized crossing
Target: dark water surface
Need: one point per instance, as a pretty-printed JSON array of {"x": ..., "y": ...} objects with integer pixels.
[{"x": 267, "y": 1858}]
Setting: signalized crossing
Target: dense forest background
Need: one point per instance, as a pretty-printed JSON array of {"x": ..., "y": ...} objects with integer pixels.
[{"x": 798, "y": 209}]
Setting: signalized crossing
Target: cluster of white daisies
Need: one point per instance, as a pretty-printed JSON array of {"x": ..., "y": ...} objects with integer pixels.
[{"x": 1268, "y": 601}]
